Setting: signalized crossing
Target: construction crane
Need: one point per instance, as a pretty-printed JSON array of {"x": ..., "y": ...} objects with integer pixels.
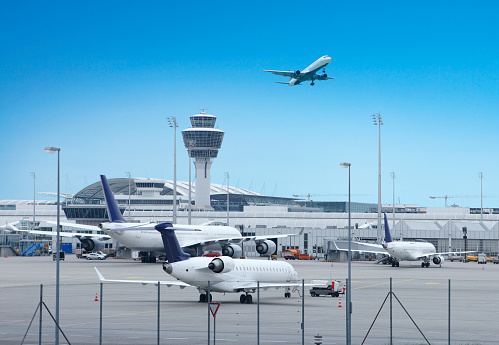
[
  {"x": 454, "y": 196},
  {"x": 311, "y": 195}
]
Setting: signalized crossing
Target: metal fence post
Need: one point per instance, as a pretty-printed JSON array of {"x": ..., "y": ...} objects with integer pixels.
[
  {"x": 41, "y": 312},
  {"x": 159, "y": 308},
  {"x": 100, "y": 317},
  {"x": 209, "y": 301},
  {"x": 449, "y": 316},
  {"x": 303, "y": 311},
  {"x": 258, "y": 312},
  {"x": 391, "y": 315}
]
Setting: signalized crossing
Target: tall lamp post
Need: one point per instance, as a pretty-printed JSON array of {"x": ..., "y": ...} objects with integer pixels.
[
  {"x": 172, "y": 122},
  {"x": 50, "y": 149},
  {"x": 378, "y": 121},
  {"x": 349, "y": 282}
]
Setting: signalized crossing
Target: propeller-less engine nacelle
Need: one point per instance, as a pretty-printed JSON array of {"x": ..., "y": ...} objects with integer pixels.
[
  {"x": 438, "y": 260},
  {"x": 221, "y": 265},
  {"x": 266, "y": 247},
  {"x": 91, "y": 244},
  {"x": 323, "y": 76},
  {"x": 232, "y": 250},
  {"x": 296, "y": 74}
]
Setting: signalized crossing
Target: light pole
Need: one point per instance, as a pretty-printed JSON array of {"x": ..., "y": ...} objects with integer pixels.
[
  {"x": 172, "y": 122},
  {"x": 378, "y": 121},
  {"x": 50, "y": 149},
  {"x": 227, "y": 175},
  {"x": 349, "y": 282},
  {"x": 480, "y": 175},
  {"x": 34, "y": 199},
  {"x": 129, "y": 193},
  {"x": 393, "y": 205}
]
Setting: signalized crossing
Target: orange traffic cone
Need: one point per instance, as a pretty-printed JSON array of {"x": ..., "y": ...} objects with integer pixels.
[
  {"x": 96, "y": 299},
  {"x": 339, "y": 303}
]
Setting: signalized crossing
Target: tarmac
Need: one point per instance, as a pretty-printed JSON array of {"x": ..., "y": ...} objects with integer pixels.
[{"x": 426, "y": 304}]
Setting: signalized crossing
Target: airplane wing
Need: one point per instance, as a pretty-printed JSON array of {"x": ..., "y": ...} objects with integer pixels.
[
  {"x": 363, "y": 247},
  {"x": 445, "y": 253},
  {"x": 64, "y": 234},
  {"x": 227, "y": 240},
  {"x": 168, "y": 283},
  {"x": 74, "y": 225},
  {"x": 281, "y": 73}
]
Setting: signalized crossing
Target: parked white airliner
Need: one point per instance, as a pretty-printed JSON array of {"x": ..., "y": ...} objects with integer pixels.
[
  {"x": 418, "y": 250},
  {"x": 309, "y": 73},
  {"x": 221, "y": 274}
]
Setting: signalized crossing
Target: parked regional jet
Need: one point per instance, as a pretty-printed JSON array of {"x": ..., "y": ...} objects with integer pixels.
[
  {"x": 309, "y": 73},
  {"x": 221, "y": 274},
  {"x": 405, "y": 250}
]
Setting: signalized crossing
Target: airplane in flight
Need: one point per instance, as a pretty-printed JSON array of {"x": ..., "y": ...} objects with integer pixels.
[
  {"x": 222, "y": 274},
  {"x": 309, "y": 73},
  {"x": 397, "y": 251},
  {"x": 144, "y": 238}
]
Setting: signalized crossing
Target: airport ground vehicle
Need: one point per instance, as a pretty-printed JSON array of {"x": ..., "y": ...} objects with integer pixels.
[
  {"x": 212, "y": 254},
  {"x": 496, "y": 260},
  {"x": 95, "y": 256},
  {"x": 324, "y": 287},
  {"x": 294, "y": 254}
]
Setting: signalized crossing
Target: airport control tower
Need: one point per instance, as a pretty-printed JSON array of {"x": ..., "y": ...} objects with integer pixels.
[{"x": 202, "y": 142}]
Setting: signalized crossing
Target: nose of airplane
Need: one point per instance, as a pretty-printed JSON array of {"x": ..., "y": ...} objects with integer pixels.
[{"x": 327, "y": 58}]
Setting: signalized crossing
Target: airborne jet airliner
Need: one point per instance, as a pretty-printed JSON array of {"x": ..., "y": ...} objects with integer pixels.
[{"x": 309, "y": 73}]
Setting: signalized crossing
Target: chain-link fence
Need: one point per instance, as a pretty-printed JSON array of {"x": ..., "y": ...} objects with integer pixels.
[{"x": 385, "y": 311}]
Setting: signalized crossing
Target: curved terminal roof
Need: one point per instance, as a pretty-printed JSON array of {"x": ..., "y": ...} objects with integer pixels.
[{"x": 120, "y": 186}]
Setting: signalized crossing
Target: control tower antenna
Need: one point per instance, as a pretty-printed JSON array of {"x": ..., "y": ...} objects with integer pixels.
[{"x": 207, "y": 141}]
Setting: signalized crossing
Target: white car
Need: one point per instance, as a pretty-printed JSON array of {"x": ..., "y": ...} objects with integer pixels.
[{"x": 95, "y": 256}]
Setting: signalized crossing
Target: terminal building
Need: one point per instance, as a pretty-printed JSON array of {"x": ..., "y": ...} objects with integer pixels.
[{"x": 152, "y": 200}]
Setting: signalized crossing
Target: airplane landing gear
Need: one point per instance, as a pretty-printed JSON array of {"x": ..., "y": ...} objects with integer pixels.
[
  {"x": 312, "y": 84},
  {"x": 287, "y": 294},
  {"x": 204, "y": 298},
  {"x": 425, "y": 264},
  {"x": 246, "y": 298}
]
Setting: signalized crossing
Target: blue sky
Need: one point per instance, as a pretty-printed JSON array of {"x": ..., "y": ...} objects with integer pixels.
[{"x": 98, "y": 80}]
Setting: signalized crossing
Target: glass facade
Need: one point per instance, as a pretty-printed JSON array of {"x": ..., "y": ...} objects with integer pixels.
[{"x": 201, "y": 121}]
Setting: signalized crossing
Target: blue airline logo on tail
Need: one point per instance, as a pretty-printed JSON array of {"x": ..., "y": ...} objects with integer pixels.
[
  {"x": 113, "y": 210},
  {"x": 173, "y": 250},
  {"x": 388, "y": 237}
]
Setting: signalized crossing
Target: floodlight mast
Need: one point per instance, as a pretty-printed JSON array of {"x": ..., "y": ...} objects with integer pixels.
[
  {"x": 349, "y": 282},
  {"x": 51, "y": 149},
  {"x": 378, "y": 121},
  {"x": 172, "y": 122}
]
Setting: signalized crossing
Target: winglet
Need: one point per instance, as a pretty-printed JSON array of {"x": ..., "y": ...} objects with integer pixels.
[
  {"x": 173, "y": 250},
  {"x": 101, "y": 277},
  {"x": 388, "y": 237},
  {"x": 113, "y": 210}
]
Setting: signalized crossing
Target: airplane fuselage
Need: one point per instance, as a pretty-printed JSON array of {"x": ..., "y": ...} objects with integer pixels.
[
  {"x": 309, "y": 72},
  {"x": 146, "y": 239},
  {"x": 195, "y": 272},
  {"x": 409, "y": 251}
]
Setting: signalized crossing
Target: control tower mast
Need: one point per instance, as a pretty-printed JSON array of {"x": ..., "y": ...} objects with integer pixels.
[{"x": 202, "y": 142}]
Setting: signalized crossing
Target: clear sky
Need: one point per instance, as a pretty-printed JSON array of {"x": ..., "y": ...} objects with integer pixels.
[{"x": 98, "y": 80}]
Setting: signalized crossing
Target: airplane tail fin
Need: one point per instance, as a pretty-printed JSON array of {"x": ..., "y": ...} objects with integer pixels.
[
  {"x": 173, "y": 250},
  {"x": 388, "y": 237},
  {"x": 113, "y": 210}
]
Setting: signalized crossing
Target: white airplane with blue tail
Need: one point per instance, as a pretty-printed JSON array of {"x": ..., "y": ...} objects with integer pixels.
[{"x": 309, "y": 73}]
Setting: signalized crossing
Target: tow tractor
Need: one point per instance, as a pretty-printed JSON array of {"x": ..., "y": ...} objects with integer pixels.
[{"x": 327, "y": 287}]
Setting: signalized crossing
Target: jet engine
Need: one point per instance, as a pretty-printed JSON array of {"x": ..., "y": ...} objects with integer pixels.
[
  {"x": 221, "y": 265},
  {"x": 266, "y": 247},
  {"x": 296, "y": 73},
  {"x": 438, "y": 260},
  {"x": 323, "y": 76},
  {"x": 232, "y": 250},
  {"x": 91, "y": 244}
]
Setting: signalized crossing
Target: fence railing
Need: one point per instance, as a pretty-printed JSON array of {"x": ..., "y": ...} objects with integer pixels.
[{"x": 385, "y": 311}]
